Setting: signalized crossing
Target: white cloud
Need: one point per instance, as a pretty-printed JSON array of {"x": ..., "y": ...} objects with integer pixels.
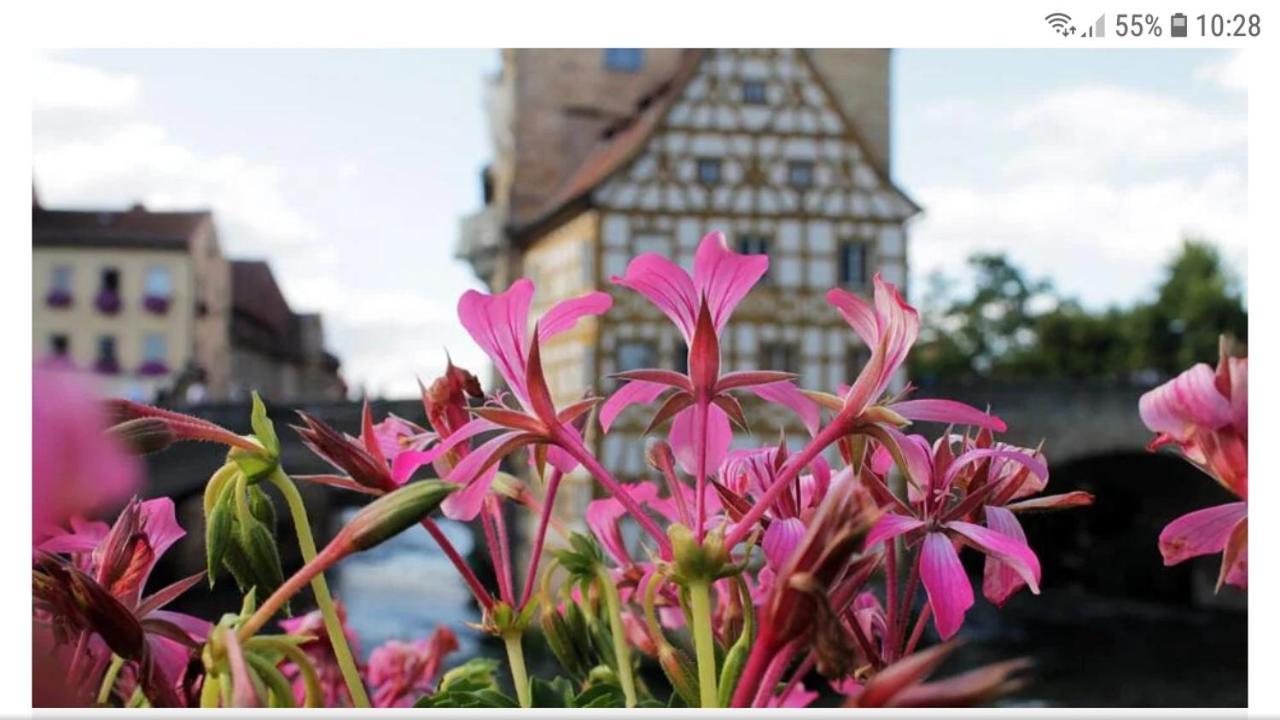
[
  {"x": 1094, "y": 129},
  {"x": 1093, "y": 185},
  {"x": 65, "y": 86},
  {"x": 1230, "y": 73}
]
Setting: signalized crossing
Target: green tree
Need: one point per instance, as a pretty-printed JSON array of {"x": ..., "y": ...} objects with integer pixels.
[{"x": 1198, "y": 300}]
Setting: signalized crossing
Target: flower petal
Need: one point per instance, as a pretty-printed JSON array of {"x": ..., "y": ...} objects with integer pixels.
[
  {"x": 947, "y": 411},
  {"x": 635, "y": 391},
  {"x": 565, "y": 314},
  {"x": 780, "y": 540},
  {"x": 1035, "y": 464},
  {"x": 950, "y": 594},
  {"x": 408, "y": 462},
  {"x": 1186, "y": 402},
  {"x": 724, "y": 277},
  {"x": 789, "y": 396},
  {"x": 999, "y": 581},
  {"x": 889, "y": 526},
  {"x": 667, "y": 286},
  {"x": 499, "y": 325},
  {"x": 684, "y": 443},
  {"x": 1013, "y": 552},
  {"x": 465, "y": 504},
  {"x": 1202, "y": 532},
  {"x": 478, "y": 469}
]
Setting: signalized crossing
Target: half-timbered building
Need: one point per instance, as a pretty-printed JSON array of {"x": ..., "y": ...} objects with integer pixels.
[{"x": 785, "y": 151}]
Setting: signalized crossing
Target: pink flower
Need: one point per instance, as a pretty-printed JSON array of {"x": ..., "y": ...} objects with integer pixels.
[
  {"x": 499, "y": 324},
  {"x": 320, "y": 651},
  {"x": 701, "y": 406},
  {"x": 902, "y": 684},
  {"x": 1205, "y": 413},
  {"x": 400, "y": 672},
  {"x": 76, "y": 467},
  {"x": 937, "y": 508},
  {"x": 889, "y": 327},
  {"x": 120, "y": 561}
]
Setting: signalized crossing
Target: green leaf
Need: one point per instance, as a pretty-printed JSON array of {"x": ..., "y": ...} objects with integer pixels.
[
  {"x": 263, "y": 428},
  {"x": 601, "y": 695},
  {"x": 477, "y": 671},
  {"x": 557, "y": 693}
]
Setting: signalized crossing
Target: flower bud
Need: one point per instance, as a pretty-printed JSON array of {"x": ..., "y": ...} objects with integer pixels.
[
  {"x": 694, "y": 561},
  {"x": 393, "y": 513},
  {"x": 561, "y": 641},
  {"x": 680, "y": 671},
  {"x": 217, "y": 536},
  {"x": 144, "y": 435},
  {"x": 263, "y": 556}
]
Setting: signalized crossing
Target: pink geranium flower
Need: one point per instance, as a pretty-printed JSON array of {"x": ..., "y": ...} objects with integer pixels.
[
  {"x": 934, "y": 519},
  {"x": 1205, "y": 414},
  {"x": 401, "y": 672},
  {"x": 76, "y": 467},
  {"x": 120, "y": 560},
  {"x": 700, "y": 404}
]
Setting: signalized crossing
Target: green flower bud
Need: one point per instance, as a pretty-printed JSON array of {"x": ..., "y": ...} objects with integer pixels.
[
  {"x": 393, "y": 513},
  {"x": 681, "y": 672},
  {"x": 694, "y": 561},
  {"x": 217, "y": 536}
]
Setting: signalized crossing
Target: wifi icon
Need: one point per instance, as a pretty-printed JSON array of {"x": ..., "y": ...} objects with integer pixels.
[{"x": 1060, "y": 22}]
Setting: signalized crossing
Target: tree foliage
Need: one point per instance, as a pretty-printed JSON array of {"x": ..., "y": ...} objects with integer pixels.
[{"x": 1013, "y": 326}]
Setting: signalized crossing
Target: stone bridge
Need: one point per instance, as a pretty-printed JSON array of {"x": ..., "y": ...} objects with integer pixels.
[{"x": 1094, "y": 440}]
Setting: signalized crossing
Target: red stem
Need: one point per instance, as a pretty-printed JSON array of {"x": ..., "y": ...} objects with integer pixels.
[
  {"x": 913, "y": 581},
  {"x": 773, "y": 673},
  {"x": 799, "y": 674},
  {"x": 838, "y": 428},
  {"x": 700, "y": 507},
  {"x": 891, "y": 588},
  {"x": 468, "y": 576},
  {"x": 495, "y": 549},
  {"x": 544, "y": 518},
  {"x": 579, "y": 451},
  {"x": 925, "y": 612},
  {"x": 761, "y": 653}
]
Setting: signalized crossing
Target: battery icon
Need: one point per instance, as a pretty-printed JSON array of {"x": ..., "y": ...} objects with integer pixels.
[{"x": 1178, "y": 25}]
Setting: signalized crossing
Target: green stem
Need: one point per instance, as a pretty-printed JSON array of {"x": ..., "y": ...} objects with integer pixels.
[
  {"x": 332, "y": 625},
  {"x": 109, "y": 679},
  {"x": 515, "y": 658},
  {"x": 621, "y": 650},
  {"x": 703, "y": 641}
]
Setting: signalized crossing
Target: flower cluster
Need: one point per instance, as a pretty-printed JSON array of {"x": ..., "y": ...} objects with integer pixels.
[
  {"x": 1204, "y": 413},
  {"x": 763, "y": 575}
]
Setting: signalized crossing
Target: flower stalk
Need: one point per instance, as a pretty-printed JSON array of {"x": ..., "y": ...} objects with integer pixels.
[
  {"x": 621, "y": 650},
  {"x": 703, "y": 641},
  {"x": 512, "y": 639}
]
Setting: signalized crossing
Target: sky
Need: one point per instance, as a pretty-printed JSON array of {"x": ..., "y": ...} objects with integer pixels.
[{"x": 349, "y": 170}]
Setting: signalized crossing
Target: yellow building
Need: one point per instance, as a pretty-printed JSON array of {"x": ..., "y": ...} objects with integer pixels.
[
  {"x": 601, "y": 155},
  {"x": 140, "y": 297}
]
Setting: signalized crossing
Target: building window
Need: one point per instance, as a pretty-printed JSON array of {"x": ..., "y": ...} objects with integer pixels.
[
  {"x": 623, "y": 59},
  {"x": 753, "y": 92},
  {"x": 754, "y": 245},
  {"x": 853, "y": 263},
  {"x": 155, "y": 352},
  {"x": 855, "y": 358},
  {"x": 800, "y": 173},
  {"x": 106, "y": 362},
  {"x": 779, "y": 356},
  {"x": 60, "y": 287},
  {"x": 108, "y": 299},
  {"x": 636, "y": 355},
  {"x": 59, "y": 345},
  {"x": 709, "y": 170},
  {"x": 681, "y": 364},
  {"x": 158, "y": 289}
]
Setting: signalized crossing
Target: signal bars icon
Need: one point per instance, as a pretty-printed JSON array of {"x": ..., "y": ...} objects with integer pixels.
[{"x": 1061, "y": 24}]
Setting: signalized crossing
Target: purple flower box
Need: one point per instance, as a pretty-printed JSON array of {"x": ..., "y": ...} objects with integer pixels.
[
  {"x": 107, "y": 302},
  {"x": 58, "y": 299},
  {"x": 156, "y": 304},
  {"x": 154, "y": 367},
  {"x": 107, "y": 366}
]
